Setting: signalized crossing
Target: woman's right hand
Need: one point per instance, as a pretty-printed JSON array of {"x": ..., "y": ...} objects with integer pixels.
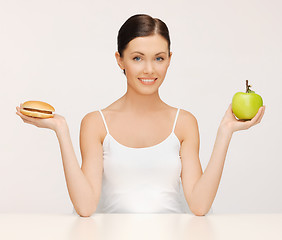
[{"x": 54, "y": 123}]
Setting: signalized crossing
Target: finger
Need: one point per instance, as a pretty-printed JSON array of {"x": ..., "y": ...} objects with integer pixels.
[
  {"x": 29, "y": 122},
  {"x": 20, "y": 114},
  {"x": 261, "y": 115},
  {"x": 256, "y": 118},
  {"x": 26, "y": 121},
  {"x": 24, "y": 117},
  {"x": 18, "y": 110},
  {"x": 249, "y": 123},
  {"x": 229, "y": 112}
]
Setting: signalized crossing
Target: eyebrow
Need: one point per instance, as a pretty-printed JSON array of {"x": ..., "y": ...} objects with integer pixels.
[{"x": 143, "y": 53}]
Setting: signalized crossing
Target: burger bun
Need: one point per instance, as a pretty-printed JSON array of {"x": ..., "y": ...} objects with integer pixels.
[{"x": 37, "y": 109}]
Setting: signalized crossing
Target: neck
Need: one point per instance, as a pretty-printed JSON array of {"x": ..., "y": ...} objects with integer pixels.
[{"x": 142, "y": 104}]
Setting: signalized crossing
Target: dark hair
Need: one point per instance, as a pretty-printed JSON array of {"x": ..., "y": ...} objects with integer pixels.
[{"x": 140, "y": 25}]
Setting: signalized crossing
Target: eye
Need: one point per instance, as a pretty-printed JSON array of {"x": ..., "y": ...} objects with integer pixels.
[
  {"x": 136, "y": 58},
  {"x": 160, "y": 58}
]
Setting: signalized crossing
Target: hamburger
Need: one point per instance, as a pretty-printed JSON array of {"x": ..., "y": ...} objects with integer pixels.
[{"x": 37, "y": 109}]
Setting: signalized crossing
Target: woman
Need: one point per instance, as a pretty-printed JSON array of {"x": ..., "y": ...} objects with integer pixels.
[{"x": 136, "y": 150}]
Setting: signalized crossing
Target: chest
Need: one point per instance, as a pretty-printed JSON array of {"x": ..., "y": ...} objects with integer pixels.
[{"x": 140, "y": 132}]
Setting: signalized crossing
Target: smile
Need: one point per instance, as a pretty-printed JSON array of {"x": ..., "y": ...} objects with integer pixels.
[{"x": 147, "y": 81}]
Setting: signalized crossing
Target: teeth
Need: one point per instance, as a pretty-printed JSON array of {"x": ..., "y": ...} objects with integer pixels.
[{"x": 147, "y": 80}]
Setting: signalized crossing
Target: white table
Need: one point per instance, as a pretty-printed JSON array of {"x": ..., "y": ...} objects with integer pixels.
[{"x": 141, "y": 226}]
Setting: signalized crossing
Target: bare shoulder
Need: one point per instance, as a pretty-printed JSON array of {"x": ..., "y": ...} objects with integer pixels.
[
  {"x": 93, "y": 122},
  {"x": 187, "y": 119},
  {"x": 186, "y": 115},
  {"x": 188, "y": 124},
  {"x": 91, "y": 115},
  {"x": 91, "y": 119}
]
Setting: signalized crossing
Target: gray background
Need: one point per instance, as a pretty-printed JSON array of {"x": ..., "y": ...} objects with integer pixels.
[{"x": 62, "y": 52}]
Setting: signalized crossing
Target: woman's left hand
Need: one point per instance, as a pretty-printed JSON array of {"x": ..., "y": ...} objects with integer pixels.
[{"x": 231, "y": 124}]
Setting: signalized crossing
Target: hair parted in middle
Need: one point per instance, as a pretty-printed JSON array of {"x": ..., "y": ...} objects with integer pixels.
[{"x": 140, "y": 25}]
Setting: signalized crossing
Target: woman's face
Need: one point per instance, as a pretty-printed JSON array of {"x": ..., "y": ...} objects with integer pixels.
[{"x": 145, "y": 58}]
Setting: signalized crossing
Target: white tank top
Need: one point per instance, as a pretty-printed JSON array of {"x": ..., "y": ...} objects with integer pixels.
[{"x": 141, "y": 180}]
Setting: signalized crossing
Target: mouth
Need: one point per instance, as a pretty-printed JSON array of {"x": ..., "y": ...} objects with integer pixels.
[{"x": 147, "y": 81}]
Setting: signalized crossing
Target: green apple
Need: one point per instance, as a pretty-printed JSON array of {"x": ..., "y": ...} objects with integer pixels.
[{"x": 246, "y": 105}]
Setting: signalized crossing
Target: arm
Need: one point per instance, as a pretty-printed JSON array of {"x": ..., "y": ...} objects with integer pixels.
[
  {"x": 84, "y": 184},
  {"x": 82, "y": 194},
  {"x": 206, "y": 187},
  {"x": 200, "y": 188}
]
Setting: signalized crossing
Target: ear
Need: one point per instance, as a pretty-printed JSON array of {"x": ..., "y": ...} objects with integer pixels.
[
  {"x": 170, "y": 57},
  {"x": 119, "y": 60}
]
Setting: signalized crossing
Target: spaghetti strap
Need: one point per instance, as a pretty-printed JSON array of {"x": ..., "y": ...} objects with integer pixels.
[
  {"x": 104, "y": 121},
  {"x": 175, "y": 119},
  {"x": 142, "y": 190}
]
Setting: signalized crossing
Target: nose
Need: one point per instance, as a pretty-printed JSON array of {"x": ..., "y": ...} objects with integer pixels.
[{"x": 148, "y": 68}]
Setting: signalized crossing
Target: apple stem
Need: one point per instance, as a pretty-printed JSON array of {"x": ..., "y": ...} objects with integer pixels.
[{"x": 247, "y": 86}]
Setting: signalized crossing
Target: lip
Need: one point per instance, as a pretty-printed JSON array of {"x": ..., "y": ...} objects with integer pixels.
[{"x": 147, "y": 83}]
